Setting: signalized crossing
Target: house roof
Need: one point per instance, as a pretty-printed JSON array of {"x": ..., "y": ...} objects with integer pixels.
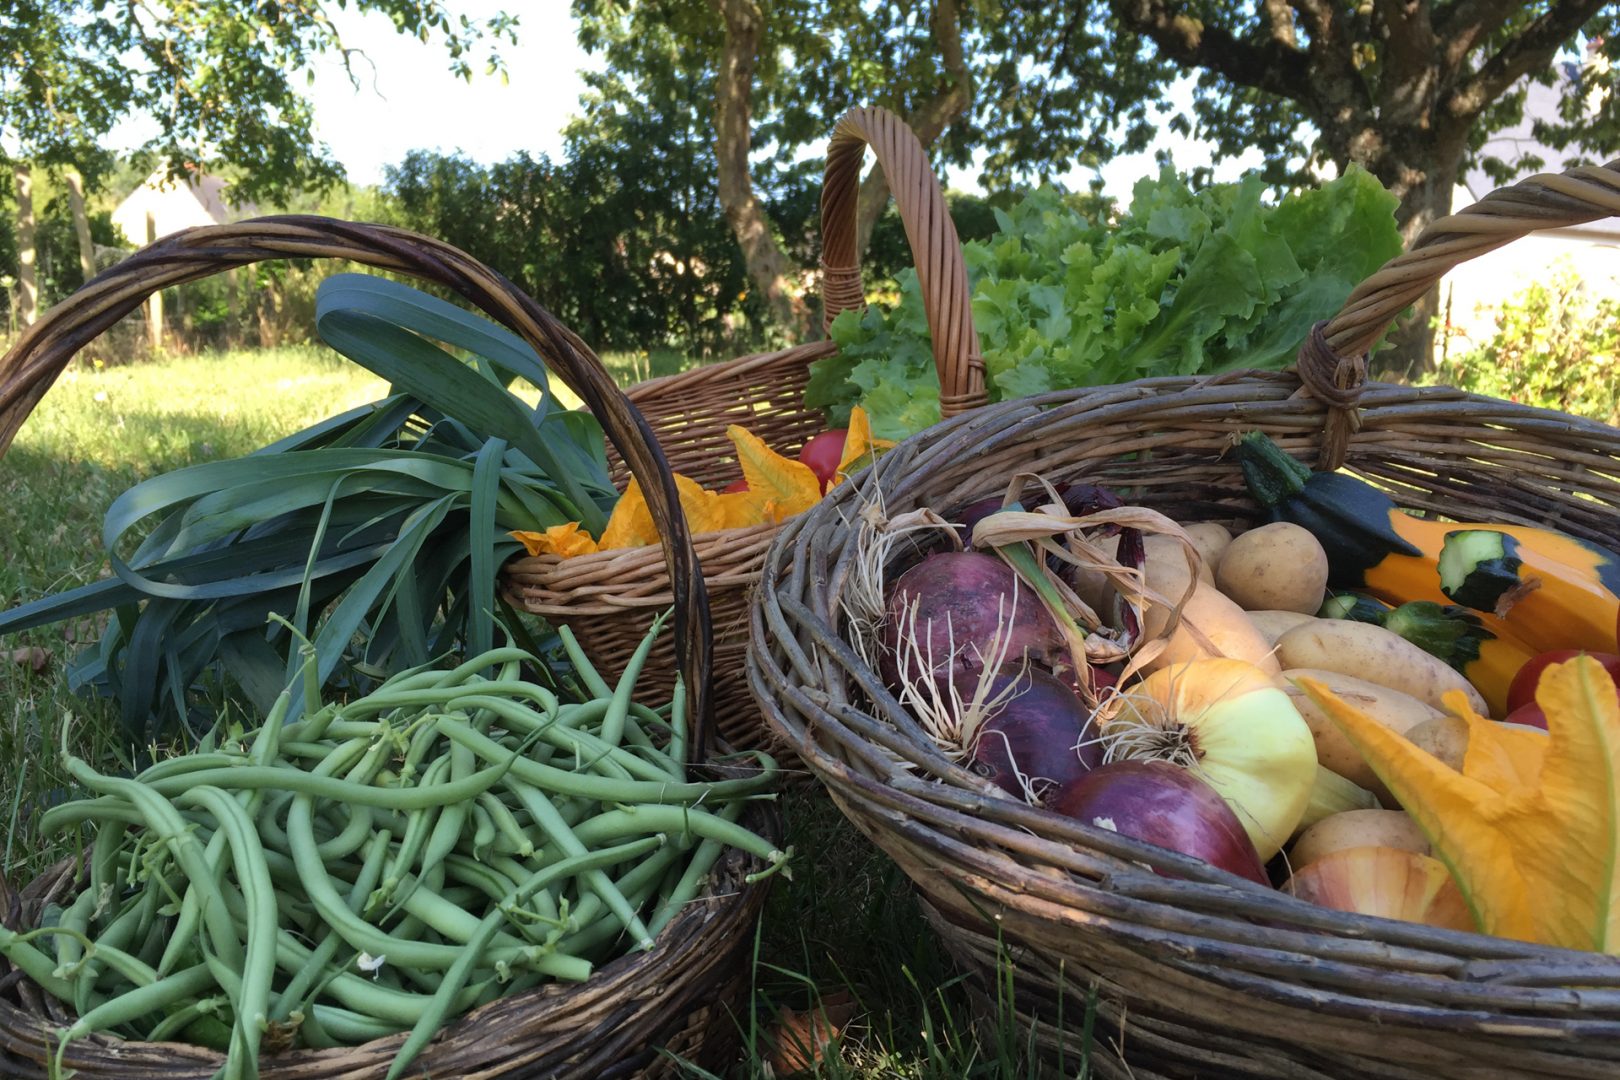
[{"x": 199, "y": 199}]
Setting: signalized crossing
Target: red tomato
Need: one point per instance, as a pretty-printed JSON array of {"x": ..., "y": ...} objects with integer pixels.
[
  {"x": 1523, "y": 689},
  {"x": 740, "y": 484},
  {"x": 823, "y": 453}
]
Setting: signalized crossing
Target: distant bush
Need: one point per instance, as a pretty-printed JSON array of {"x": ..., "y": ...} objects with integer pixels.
[{"x": 1557, "y": 346}]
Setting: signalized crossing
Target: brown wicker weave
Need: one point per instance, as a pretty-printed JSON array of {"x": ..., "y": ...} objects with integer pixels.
[
  {"x": 608, "y": 599},
  {"x": 1207, "y": 975},
  {"x": 686, "y": 993}
]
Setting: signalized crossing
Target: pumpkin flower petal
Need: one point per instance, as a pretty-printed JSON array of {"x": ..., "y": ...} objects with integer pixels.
[
  {"x": 631, "y": 524},
  {"x": 1453, "y": 811},
  {"x": 859, "y": 446},
  {"x": 1570, "y": 835},
  {"x": 1504, "y": 759},
  {"x": 780, "y": 486},
  {"x": 564, "y": 540}
]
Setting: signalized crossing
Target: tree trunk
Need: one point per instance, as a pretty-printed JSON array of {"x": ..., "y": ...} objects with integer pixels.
[
  {"x": 27, "y": 283},
  {"x": 768, "y": 265},
  {"x": 81, "y": 222}
]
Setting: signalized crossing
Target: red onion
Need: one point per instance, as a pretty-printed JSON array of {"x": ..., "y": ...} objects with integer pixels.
[{"x": 1165, "y": 805}]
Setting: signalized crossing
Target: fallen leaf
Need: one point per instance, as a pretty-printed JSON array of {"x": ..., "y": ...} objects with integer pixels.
[
  {"x": 32, "y": 657},
  {"x": 801, "y": 1041}
]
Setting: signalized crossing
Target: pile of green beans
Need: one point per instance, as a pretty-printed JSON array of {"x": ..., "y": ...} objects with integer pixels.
[{"x": 385, "y": 864}]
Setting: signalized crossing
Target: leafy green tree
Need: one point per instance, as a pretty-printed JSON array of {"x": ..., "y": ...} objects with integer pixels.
[
  {"x": 1409, "y": 89},
  {"x": 217, "y": 77}
]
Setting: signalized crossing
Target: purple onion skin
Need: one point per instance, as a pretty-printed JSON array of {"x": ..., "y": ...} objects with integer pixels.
[
  {"x": 967, "y": 588},
  {"x": 1078, "y": 500},
  {"x": 1043, "y": 732},
  {"x": 1165, "y": 805}
]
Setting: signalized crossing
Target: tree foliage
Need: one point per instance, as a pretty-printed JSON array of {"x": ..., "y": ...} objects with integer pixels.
[{"x": 217, "y": 77}]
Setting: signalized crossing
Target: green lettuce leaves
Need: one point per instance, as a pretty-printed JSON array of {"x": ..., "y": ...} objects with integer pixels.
[{"x": 1183, "y": 283}]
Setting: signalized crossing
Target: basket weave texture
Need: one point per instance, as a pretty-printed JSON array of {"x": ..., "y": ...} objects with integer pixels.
[
  {"x": 684, "y": 994},
  {"x": 1205, "y": 975},
  {"x": 608, "y": 599}
]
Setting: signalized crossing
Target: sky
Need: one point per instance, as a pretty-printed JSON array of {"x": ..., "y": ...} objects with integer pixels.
[{"x": 407, "y": 99}]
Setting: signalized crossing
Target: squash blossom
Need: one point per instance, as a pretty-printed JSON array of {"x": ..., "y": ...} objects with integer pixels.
[
  {"x": 1530, "y": 828},
  {"x": 778, "y": 488}
]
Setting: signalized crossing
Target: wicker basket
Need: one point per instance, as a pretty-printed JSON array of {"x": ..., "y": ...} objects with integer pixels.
[
  {"x": 609, "y": 598},
  {"x": 686, "y": 994},
  {"x": 1207, "y": 975}
]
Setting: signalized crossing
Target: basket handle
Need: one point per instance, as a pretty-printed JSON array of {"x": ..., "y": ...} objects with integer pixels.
[
  {"x": 1333, "y": 360},
  {"x": 930, "y": 232},
  {"x": 44, "y": 349}
]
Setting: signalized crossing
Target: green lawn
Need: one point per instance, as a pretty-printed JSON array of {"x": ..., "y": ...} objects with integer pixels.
[{"x": 847, "y": 924}]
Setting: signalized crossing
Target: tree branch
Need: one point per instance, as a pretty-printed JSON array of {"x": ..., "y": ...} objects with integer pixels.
[
  {"x": 929, "y": 120},
  {"x": 1271, "y": 66},
  {"x": 1461, "y": 29},
  {"x": 1333, "y": 74},
  {"x": 1531, "y": 50},
  {"x": 1279, "y": 21}
]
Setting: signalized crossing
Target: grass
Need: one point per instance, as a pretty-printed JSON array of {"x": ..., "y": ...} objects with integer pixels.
[{"x": 845, "y": 930}]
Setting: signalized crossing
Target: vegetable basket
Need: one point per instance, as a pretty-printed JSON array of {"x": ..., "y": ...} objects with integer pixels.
[
  {"x": 1202, "y": 974},
  {"x": 681, "y": 997},
  {"x": 609, "y": 598}
]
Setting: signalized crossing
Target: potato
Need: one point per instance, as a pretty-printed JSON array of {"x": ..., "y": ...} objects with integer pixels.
[
  {"x": 1211, "y": 539},
  {"x": 1277, "y": 567},
  {"x": 1220, "y": 620},
  {"x": 1397, "y": 711},
  {"x": 1377, "y": 655},
  {"x": 1274, "y": 624},
  {"x": 1444, "y": 736},
  {"x": 1357, "y": 828}
]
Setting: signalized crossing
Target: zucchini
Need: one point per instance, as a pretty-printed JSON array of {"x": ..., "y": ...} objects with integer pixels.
[{"x": 1564, "y": 593}]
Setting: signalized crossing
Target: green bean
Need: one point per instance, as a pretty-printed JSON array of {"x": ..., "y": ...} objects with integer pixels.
[
  {"x": 102, "y": 808},
  {"x": 483, "y": 839},
  {"x": 506, "y": 824},
  {"x": 172, "y": 1024},
  {"x": 677, "y": 726},
  {"x": 699, "y": 864},
  {"x": 134, "y": 1004},
  {"x": 189, "y": 763},
  {"x": 351, "y": 1028},
  {"x": 253, "y": 876},
  {"x": 417, "y": 830},
  {"x": 612, "y": 730},
  {"x": 350, "y": 838},
  {"x": 20, "y": 952},
  {"x": 251, "y": 778},
  {"x": 638, "y": 885},
  {"x": 478, "y": 947},
  {"x": 582, "y": 664},
  {"x": 131, "y": 968},
  {"x": 104, "y": 854},
  {"x": 447, "y": 830},
  {"x": 600, "y": 788},
  {"x": 162, "y": 818},
  {"x": 559, "y": 834},
  {"x": 70, "y": 930},
  {"x": 675, "y": 821},
  {"x": 370, "y": 872}
]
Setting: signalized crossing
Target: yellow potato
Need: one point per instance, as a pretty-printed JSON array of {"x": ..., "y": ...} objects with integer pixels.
[
  {"x": 1444, "y": 736},
  {"x": 1397, "y": 711},
  {"x": 1357, "y": 828},
  {"x": 1274, "y": 624},
  {"x": 1277, "y": 567},
  {"x": 1377, "y": 655},
  {"x": 1222, "y": 622},
  {"x": 1211, "y": 539}
]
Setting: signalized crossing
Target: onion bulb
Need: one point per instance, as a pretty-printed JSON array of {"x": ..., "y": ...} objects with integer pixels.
[
  {"x": 1387, "y": 882},
  {"x": 1233, "y": 727}
]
